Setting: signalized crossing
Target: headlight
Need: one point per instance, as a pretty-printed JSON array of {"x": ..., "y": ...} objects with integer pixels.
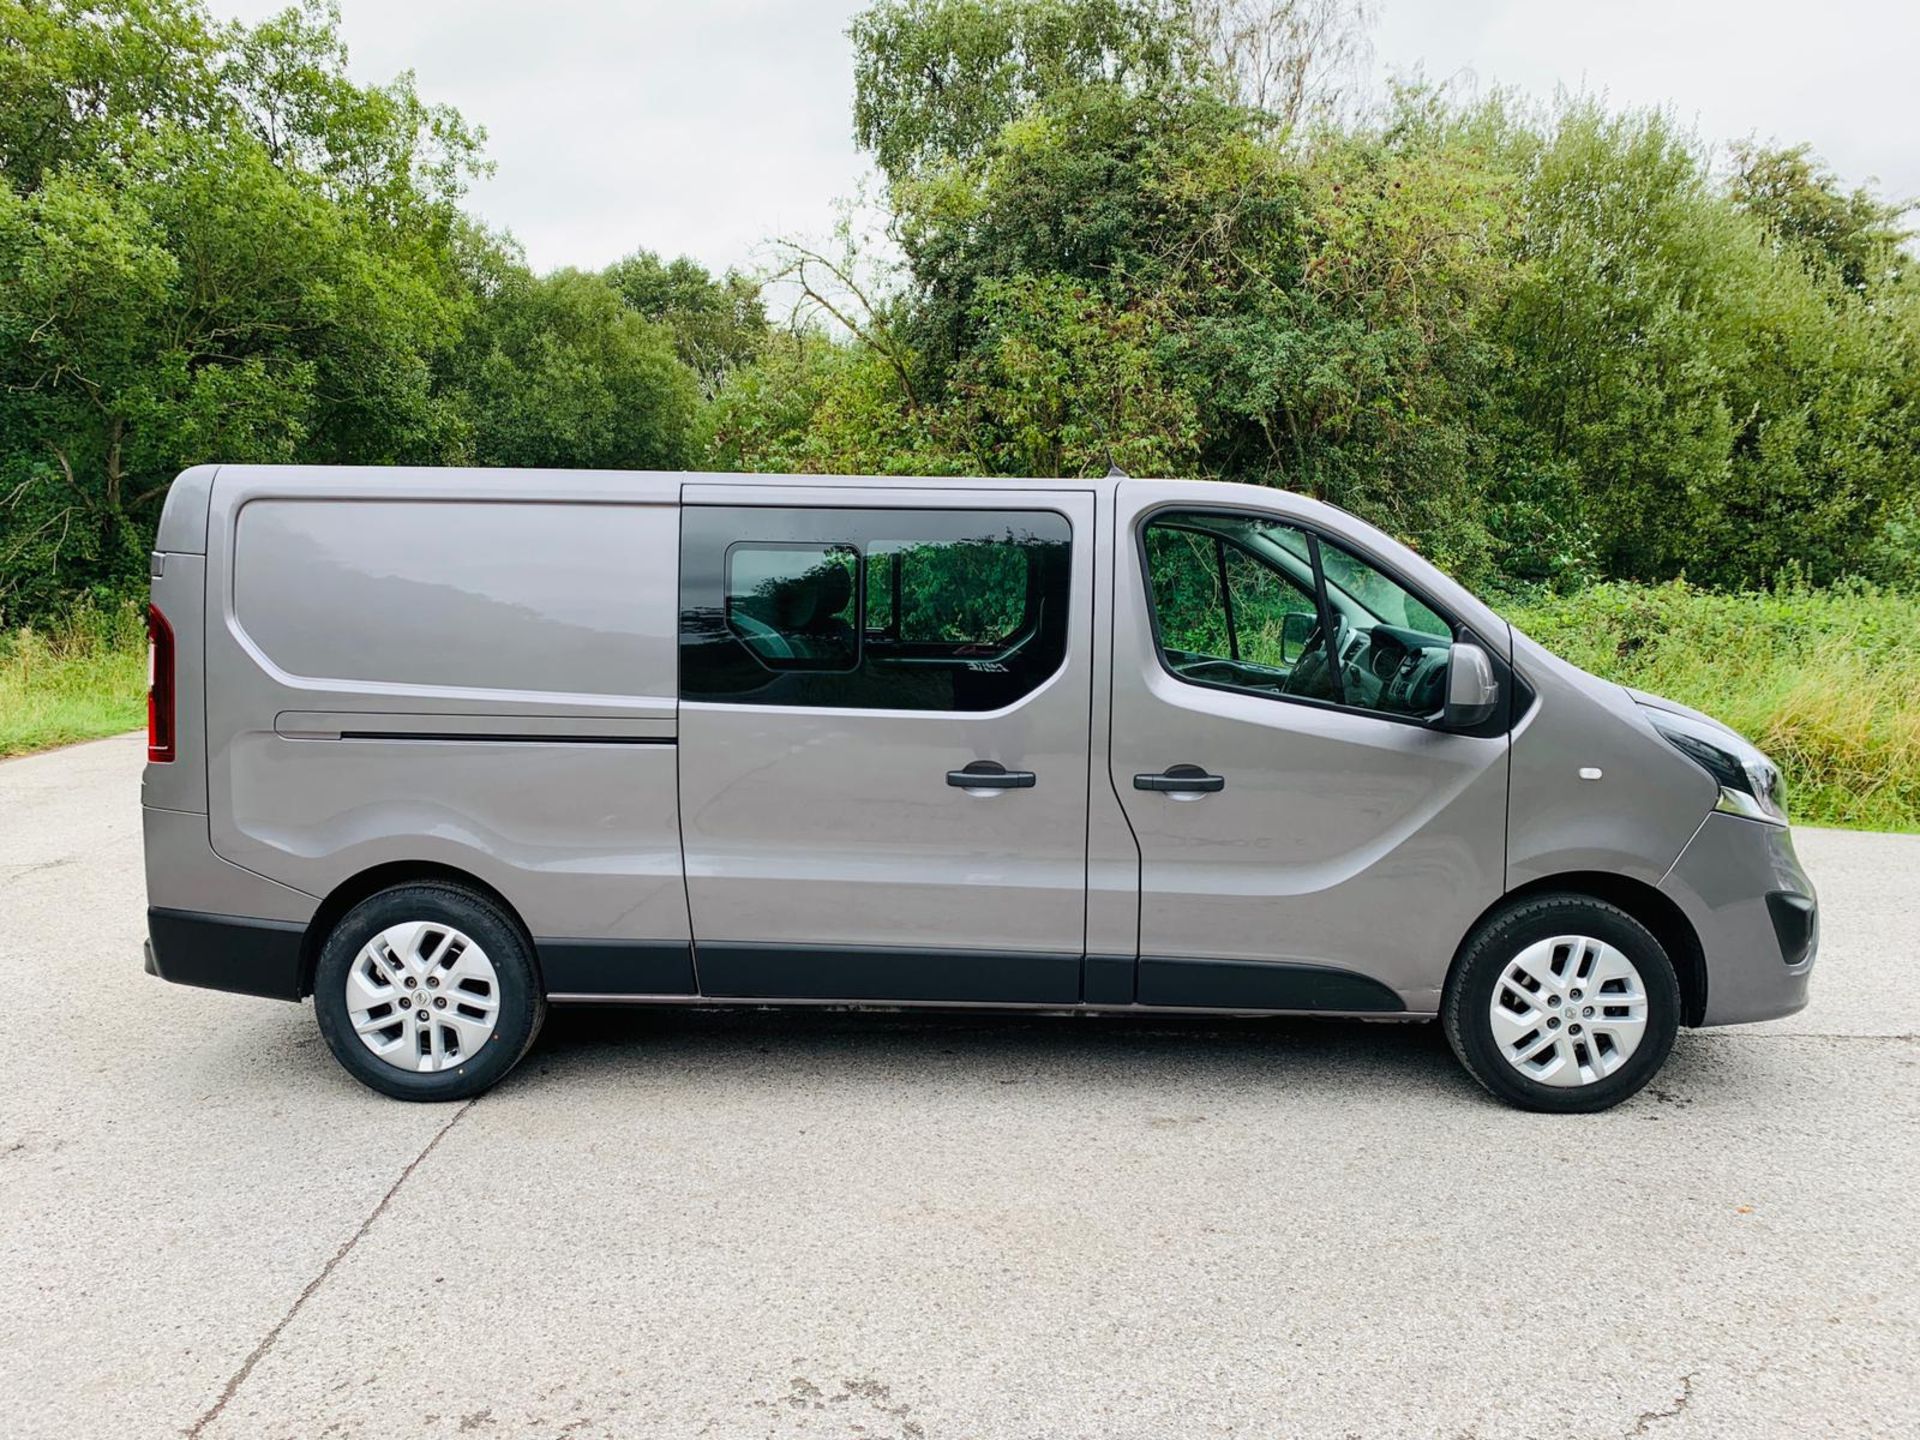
[{"x": 1750, "y": 784}]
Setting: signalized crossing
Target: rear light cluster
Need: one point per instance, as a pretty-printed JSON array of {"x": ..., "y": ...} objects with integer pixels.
[{"x": 160, "y": 733}]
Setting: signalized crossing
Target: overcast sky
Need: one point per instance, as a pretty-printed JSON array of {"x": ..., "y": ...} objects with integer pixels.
[{"x": 707, "y": 128}]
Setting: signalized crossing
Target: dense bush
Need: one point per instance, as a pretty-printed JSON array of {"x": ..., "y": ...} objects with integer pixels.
[{"x": 1549, "y": 344}]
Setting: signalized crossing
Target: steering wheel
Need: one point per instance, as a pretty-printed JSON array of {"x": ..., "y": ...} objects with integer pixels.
[{"x": 1311, "y": 676}]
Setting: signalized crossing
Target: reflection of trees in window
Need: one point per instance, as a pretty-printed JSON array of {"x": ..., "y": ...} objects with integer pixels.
[{"x": 959, "y": 592}]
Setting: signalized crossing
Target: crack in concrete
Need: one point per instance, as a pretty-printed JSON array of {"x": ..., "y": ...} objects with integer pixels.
[
  {"x": 34, "y": 867},
  {"x": 267, "y": 1341},
  {"x": 1680, "y": 1402}
]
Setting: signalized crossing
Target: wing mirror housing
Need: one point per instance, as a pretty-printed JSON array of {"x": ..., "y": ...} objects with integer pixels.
[{"x": 1473, "y": 692}]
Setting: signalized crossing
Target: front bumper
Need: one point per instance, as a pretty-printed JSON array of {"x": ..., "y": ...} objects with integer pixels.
[{"x": 1754, "y": 909}]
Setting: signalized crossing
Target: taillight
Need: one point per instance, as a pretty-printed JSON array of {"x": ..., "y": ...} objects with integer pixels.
[{"x": 160, "y": 747}]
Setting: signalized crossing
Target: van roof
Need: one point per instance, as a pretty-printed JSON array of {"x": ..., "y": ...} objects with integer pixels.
[{"x": 493, "y": 478}]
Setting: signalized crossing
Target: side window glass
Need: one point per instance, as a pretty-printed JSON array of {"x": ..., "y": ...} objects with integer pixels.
[
  {"x": 1234, "y": 602},
  {"x": 1238, "y": 603},
  {"x": 1397, "y": 651},
  {"x": 792, "y": 605},
  {"x": 968, "y": 593},
  {"x": 1272, "y": 614},
  {"x": 1378, "y": 594},
  {"x": 1189, "y": 605},
  {"x": 872, "y": 609}
]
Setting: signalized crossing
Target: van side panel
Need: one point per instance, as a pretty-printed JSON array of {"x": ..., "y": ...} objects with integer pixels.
[
  {"x": 430, "y": 666},
  {"x": 1594, "y": 787},
  {"x": 184, "y": 874},
  {"x": 422, "y": 597}
]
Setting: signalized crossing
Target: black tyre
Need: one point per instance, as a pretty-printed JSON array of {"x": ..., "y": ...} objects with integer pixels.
[
  {"x": 428, "y": 991},
  {"x": 1562, "y": 1003}
]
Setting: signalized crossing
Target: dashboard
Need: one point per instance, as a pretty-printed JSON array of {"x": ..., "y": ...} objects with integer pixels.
[
  {"x": 1402, "y": 671},
  {"x": 1385, "y": 668}
]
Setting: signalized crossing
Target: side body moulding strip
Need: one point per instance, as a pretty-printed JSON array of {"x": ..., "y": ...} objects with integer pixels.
[
  {"x": 1261, "y": 985},
  {"x": 487, "y": 737},
  {"x": 262, "y": 957},
  {"x": 832, "y": 972},
  {"x": 616, "y": 967}
]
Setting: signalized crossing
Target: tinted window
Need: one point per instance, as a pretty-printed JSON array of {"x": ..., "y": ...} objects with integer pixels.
[
  {"x": 1237, "y": 603},
  {"x": 963, "y": 592},
  {"x": 871, "y": 609},
  {"x": 792, "y": 605}
]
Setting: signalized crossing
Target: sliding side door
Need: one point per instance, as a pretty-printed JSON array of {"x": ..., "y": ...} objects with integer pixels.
[{"x": 883, "y": 741}]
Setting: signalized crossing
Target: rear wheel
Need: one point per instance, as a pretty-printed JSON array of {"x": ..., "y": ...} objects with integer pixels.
[
  {"x": 1562, "y": 1003},
  {"x": 427, "y": 992}
]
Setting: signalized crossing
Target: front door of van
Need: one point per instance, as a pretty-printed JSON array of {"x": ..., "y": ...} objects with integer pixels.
[
  {"x": 883, "y": 741},
  {"x": 1310, "y": 839}
]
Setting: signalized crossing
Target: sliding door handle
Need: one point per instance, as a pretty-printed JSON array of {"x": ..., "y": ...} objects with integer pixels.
[
  {"x": 1181, "y": 780},
  {"x": 990, "y": 775}
]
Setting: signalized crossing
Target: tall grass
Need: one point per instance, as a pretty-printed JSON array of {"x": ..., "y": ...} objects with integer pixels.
[
  {"x": 79, "y": 680},
  {"x": 1826, "y": 682}
]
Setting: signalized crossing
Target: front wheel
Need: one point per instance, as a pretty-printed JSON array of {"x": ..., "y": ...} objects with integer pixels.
[
  {"x": 427, "y": 991},
  {"x": 1562, "y": 1003}
]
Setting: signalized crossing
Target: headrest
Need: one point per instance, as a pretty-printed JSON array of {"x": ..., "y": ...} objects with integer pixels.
[{"x": 812, "y": 601}]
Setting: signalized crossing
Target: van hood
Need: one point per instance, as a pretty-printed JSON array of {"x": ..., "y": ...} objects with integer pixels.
[{"x": 1674, "y": 707}]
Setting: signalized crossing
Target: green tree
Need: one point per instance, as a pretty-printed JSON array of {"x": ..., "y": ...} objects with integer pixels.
[
  {"x": 1062, "y": 382},
  {"x": 213, "y": 246},
  {"x": 1800, "y": 203},
  {"x": 936, "y": 81},
  {"x": 717, "y": 325},
  {"x": 560, "y": 371},
  {"x": 1679, "y": 390}
]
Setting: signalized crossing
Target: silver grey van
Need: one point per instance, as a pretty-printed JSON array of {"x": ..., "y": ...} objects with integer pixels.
[{"x": 440, "y": 748}]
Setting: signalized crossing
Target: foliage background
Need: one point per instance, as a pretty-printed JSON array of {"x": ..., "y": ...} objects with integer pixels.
[{"x": 1564, "y": 350}]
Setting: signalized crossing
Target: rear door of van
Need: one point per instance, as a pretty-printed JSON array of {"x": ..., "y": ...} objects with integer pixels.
[{"x": 884, "y": 712}]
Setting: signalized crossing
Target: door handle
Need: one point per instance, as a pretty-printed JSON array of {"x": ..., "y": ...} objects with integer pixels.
[
  {"x": 990, "y": 775},
  {"x": 1181, "y": 780}
]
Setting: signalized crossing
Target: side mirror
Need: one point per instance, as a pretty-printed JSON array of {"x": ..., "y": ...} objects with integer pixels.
[
  {"x": 1295, "y": 628},
  {"x": 1473, "y": 694}
]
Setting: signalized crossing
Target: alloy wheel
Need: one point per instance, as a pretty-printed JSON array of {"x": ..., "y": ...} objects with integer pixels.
[
  {"x": 423, "y": 996},
  {"x": 1568, "y": 1011}
]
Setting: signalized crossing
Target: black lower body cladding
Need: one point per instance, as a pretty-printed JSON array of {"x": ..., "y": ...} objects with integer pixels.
[{"x": 226, "y": 952}]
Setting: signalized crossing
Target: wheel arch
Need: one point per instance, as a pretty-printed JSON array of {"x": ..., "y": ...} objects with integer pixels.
[
  {"x": 1664, "y": 920},
  {"x": 351, "y": 891}
]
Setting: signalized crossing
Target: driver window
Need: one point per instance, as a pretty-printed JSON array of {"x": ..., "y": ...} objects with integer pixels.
[
  {"x": 1233, "y": 601},
  {"x": 1272, "y": 614},
  {"x": 1235, "y": 605}
]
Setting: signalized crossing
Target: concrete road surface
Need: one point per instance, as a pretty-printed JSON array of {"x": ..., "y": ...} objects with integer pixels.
[{"x": 876, "y": 1226}]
